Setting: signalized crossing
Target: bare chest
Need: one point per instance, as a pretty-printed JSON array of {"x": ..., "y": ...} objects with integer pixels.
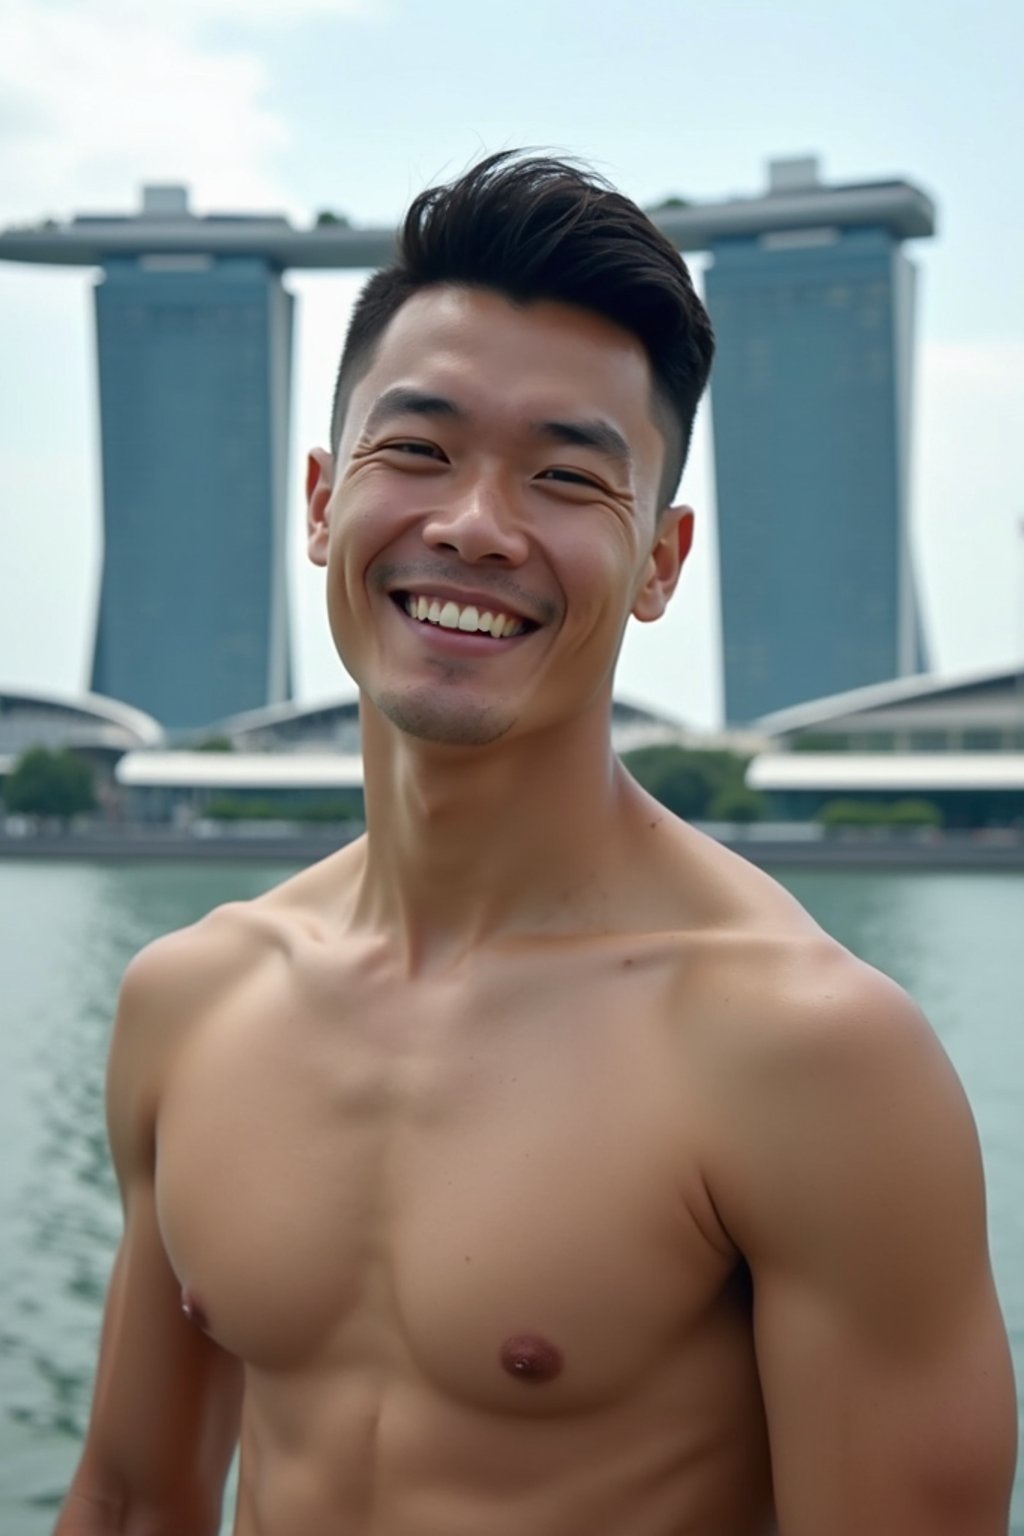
[{"x": 466, "y": 1185}]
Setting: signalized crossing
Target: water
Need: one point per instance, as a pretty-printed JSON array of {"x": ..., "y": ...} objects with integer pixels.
[{"x": 66, "y": 934}]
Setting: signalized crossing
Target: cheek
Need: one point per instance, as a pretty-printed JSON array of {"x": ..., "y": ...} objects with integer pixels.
[
  {"x": 599, "y": 571},
  {"x": 359, "y": 531}
]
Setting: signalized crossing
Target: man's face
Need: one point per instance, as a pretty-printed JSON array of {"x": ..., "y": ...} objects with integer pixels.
[{"x": 489, "y": 521}]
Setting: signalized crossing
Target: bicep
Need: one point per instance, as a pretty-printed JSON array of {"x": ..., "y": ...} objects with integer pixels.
[
  {"x": 166, "y": 1402},
  {"x": 165, "y": 1413},
  {"x": 868, "y": 1435},
  {"x": 880, "y": 1345}
]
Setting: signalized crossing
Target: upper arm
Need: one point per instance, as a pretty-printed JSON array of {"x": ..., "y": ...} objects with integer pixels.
[
  {"x": 857, "y": 1197},
  {"x": 164, "y": 1419}
]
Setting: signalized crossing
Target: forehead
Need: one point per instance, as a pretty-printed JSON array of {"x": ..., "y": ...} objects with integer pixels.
[{"x": 514, "y": 361}]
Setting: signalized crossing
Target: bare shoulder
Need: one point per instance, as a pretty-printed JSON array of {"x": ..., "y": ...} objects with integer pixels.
[
  {"x": 175, "y": 988},
  {"x": 182, "y": 973},
  {"x": 191, "y": 967},
  {"x": 831, "y": 1101},
  {"x": 173, "y": 985},
  {"x": 775, "y": 985},
  {"x": 808, "y": 1057},
  {"x": 841, "y": 1156}
]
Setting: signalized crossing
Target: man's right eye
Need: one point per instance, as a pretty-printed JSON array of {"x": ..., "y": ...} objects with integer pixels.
[{"x": 415, "y": 449}]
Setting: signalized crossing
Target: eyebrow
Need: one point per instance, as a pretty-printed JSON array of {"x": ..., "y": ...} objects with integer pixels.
[
  {"x": 593, "y": 433},
  {"x": 401, "y": 401},
  {"x": 596, "y": 434}
]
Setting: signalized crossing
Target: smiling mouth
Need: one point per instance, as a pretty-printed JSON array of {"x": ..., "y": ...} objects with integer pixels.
[{"x": 465, "y": 617}]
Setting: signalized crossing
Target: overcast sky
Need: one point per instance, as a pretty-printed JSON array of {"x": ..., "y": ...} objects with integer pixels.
[{"x": 353, "y": 105}]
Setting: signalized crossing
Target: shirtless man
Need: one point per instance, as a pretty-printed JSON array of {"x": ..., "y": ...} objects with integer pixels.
[{"x": 533, "y": 1166}]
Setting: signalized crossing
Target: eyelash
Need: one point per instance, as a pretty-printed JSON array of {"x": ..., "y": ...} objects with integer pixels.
[
  {"x": 416, "y": 450},
  {"x": 422, "y": 450}
]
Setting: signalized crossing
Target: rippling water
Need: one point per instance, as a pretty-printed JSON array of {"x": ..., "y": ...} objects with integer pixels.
[{"x": 67, "y": 932}]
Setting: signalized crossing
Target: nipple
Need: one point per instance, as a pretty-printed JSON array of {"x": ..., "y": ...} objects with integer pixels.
[
  {"x": 193, "y": 1311},
  {"x": 531, "y": 1358}
]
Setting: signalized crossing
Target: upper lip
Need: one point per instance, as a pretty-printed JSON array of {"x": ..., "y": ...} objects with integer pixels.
[{"x": 484, "y": 602}]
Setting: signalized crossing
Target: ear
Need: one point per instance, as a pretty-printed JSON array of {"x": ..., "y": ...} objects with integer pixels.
[
  {"x": 672, "y": 544},
  {"x": 319, "y": 484}
]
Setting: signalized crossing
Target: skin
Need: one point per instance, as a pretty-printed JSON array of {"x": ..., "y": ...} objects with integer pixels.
[{"x": 533, "y": 1164}]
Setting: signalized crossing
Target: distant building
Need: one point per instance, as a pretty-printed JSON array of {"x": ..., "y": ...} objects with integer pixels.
[
  {"x": 813, "y": 304},
  {"x": 194, "y": 342},
  {"x": 332, "y": 725},
  {"x": 955, "y": 741},
  {"x": 100, "y": 730},
  {"x": 195, "y": 381},
  {"x": 295, "y": 755}
]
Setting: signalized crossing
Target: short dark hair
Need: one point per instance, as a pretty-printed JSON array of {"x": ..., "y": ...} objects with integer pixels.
[{"x": 535, "y": 228}]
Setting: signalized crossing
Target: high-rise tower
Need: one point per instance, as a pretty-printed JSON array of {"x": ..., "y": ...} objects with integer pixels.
[
  {"x": 194, "y": 346},
  {"x": 811, "y": 394},
  {"x": 195, "y": 381}
]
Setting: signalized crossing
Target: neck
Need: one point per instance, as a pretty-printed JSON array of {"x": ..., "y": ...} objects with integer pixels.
[{"x": 470, "y": 844}]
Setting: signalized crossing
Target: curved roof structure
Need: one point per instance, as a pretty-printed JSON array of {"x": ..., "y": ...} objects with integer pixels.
[
  {"x": 34, "y": 717},
  {"x": 294, "y": 727},
  {"x": 335, "y": 723},
  {"x": 987, "y": 697}
]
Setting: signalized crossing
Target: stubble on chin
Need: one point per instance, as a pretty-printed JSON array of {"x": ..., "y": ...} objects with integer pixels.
[{"x": 421, "y": 713}]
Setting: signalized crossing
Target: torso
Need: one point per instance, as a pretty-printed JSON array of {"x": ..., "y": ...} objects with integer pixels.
[{"x": 461, "y": 1233}]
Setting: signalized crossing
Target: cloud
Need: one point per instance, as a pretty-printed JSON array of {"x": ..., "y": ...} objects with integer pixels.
[
  {"x": 996, "y": 364},
  {"x": 272, "y": 12},
  {"x": 968, "y": 465},
  {"x": 98, "y": 97}
]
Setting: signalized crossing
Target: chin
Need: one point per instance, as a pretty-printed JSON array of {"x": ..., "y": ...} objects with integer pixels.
[{"x": 425, "y": 716}]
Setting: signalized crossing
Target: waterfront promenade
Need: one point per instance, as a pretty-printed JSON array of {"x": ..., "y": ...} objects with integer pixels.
[{"x": 803, "y": 846}]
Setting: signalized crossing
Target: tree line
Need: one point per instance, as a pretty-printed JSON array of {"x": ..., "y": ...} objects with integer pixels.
[{"x": 696, "y": 784}]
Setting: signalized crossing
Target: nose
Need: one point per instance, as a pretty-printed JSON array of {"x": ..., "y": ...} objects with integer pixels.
[{"x": 480, "y": 524}]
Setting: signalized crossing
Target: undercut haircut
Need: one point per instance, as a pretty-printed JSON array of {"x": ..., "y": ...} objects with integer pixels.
[{"x": 536, "y": 228}]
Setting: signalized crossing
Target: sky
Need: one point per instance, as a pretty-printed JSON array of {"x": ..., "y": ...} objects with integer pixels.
[{"x": 295, "y": 106}]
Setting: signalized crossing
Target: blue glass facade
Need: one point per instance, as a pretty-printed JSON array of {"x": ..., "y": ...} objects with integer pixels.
[
  {"x": 194, "y": 359},
  {"x": 810, "y": 401}
]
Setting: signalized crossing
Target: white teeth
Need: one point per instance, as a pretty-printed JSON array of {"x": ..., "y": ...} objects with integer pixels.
[{"x": 469, "y": 619}]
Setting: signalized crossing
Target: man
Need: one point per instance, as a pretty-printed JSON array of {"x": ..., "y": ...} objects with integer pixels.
[{"x": 532, "y": 1166}]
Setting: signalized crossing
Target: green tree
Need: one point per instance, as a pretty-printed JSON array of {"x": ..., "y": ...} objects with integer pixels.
[
  {"x": 737, "y": 803},
  {"x": 691, "y": 781},
  {"x": 45, "y": 783},
  {"x": 880, "y": 813},
  {"x": 346, "y": 805},
  {"x": 851, "y": 813},
  {"x": 915, "y": 813}
]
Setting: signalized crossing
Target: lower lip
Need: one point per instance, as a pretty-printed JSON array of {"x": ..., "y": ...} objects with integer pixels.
[{"x": 460, "y": 642}]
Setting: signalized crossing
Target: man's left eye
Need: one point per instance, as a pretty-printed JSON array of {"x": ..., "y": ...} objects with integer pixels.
[{"x": 570, "y": 477}]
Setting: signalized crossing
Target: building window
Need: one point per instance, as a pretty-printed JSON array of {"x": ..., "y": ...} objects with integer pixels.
[
  {"x": 929, "y": 741},
  {"x": 982, "y": 741}
]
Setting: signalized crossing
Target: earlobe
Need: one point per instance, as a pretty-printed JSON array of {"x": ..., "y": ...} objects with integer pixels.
[
  {"x": 319, "y": 484},
  {"x": 665, "y": 562}
]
